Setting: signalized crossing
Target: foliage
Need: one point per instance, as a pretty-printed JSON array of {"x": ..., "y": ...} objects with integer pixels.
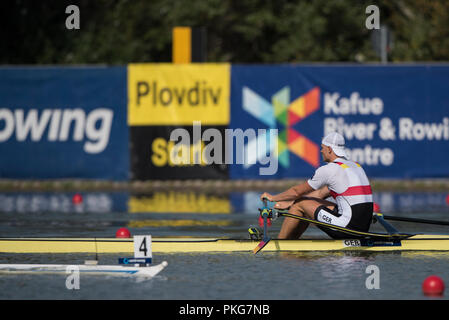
[{"x": 238, "y": 31}]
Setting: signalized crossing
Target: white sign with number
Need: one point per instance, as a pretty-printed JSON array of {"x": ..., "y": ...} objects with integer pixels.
[{"x": 142, "y": 247}]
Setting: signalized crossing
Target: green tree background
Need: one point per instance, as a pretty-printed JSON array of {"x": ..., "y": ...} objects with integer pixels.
[{"x": 238, "y": 31}]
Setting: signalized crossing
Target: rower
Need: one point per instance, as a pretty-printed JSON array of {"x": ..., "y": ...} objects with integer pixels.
[{"x": 344, "y": 180}]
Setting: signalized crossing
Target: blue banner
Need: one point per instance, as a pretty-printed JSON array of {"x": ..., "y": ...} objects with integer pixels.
[
  {"x": 395, "y": 119},
  {"x": 63, "y": 122}
]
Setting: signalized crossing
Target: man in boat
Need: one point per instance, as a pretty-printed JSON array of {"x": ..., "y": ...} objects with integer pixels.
[{"x": 344, "y": 180}]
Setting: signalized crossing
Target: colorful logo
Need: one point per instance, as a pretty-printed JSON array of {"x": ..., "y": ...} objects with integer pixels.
[{"x": 282, "y": 113}]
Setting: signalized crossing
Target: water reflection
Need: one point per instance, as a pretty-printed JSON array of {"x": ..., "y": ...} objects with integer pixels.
[
  {"x": 178, "y": 223},
  {"x": 190, "y": 202},
  {"x": 412, "y": 202},
  {"x": 95, "y": 202},
  {"x": 180, "y": 202}
]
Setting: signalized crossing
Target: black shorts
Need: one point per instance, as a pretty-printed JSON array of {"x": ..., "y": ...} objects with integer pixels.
[{"x": 361, "y": 217}]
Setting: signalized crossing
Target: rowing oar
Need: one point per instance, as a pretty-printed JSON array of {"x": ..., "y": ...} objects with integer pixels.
[
  {"x": 265, "y": 212},
  {"x": 405, "y": 219}
]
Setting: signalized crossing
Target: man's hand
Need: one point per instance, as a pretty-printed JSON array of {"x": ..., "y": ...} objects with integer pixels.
[
  {"x": 284, "y": 205},
  {"x": 267, "y": 196}
]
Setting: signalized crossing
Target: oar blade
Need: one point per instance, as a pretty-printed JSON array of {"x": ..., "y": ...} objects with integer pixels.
[{"x": 261, "y": 245}]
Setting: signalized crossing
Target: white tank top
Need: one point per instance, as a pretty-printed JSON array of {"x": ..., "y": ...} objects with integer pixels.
[{"x": 346, "y": 181}]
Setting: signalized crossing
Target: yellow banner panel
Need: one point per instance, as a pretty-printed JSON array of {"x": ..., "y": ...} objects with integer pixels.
[{"x": 167, "y": 94}]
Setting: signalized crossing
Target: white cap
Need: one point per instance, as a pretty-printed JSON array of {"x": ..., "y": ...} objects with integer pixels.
[{"x": 336, "y": 142}]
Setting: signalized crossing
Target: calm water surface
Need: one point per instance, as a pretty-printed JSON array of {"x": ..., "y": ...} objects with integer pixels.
[
  {"x": 215, "y": 276},
  {"x": 240, "y": 276}
]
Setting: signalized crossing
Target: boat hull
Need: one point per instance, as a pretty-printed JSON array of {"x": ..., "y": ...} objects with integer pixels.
[{"x": 173, "y": 245}]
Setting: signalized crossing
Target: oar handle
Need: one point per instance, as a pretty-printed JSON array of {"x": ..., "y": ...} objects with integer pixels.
[{"x": 264, "y": 200}]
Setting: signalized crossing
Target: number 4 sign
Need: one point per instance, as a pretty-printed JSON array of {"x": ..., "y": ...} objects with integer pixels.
[{"x": 142, "y": 247}]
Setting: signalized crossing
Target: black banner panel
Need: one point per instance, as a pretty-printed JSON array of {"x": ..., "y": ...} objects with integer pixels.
[{"x": 177, "y": 152}]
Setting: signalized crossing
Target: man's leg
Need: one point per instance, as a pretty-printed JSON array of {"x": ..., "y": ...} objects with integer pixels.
[
  {"x": 304, "y": 207},
  {"x": 293, "y": 228}
]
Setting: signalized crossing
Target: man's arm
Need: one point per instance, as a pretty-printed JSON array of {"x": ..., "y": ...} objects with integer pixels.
[
  {"x": 321, "y": 193},
  {"x": 291, "y": 194}
]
